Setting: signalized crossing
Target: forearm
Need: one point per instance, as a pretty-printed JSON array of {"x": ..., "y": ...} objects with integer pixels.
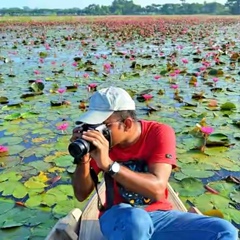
[
  {"x": 146, "y": 184},
  {"x": 82, "y": 182}
]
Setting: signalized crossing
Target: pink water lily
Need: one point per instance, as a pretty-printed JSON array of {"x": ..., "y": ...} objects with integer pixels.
[
  {"x": 202, "y": 69},
  {"x": 213, "y": 103},
  {"x": 157, "y": 77},
  {"x": 3, "y": 149},
  {"x": 47, "y": 46},
  {"x": 106, "y": 66},
  {"x": 207, "y": 130},
  {"x": 177, "y": 71},
  {"x": 37, "y": 72},
  {"x": 86, "y": 75},
  {"x": 147, "y": 97},
  {"x": 41, "y": 60},
  {"x": 180, "y": 47},
  {"x": 172, "y": 74},
  {"x": 215, "y": 79},
  {"x": 184, "y": 60},
  {"x": 39, "y": 81},
  {"x": 92, "y": 87},
  {"x": 63, "y": 127},
  {"x": 74, "y": 64},
  {"x": 61, "y": 90},
  {"x": 174, "y": 86},
  {"x": 195, "y": 84}
]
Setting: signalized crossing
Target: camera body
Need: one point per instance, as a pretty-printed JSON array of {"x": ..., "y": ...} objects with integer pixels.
[{"x": 80, "y": 147}]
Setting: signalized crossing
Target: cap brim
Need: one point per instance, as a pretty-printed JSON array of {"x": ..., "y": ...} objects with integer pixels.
[{"x": 95, "y": 117}]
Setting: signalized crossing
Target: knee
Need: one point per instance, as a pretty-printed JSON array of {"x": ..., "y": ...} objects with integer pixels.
[
  {"x": 227, "y": 229},
  {"x": 139, "y": 220}
]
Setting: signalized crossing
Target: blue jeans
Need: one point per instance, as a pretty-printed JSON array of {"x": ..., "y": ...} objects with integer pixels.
[{"x": 124, "y": 222}]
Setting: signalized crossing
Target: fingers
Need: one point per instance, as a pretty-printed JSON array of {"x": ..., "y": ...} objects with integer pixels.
[
  {"x": 95, "y": 137},
  {"x": 77, "y": 133}
]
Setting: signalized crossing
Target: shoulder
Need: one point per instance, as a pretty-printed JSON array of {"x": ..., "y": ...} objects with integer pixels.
[{"x": 156, "y": 128}]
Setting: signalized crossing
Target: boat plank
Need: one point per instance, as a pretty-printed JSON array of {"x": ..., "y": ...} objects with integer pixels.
[{"x": 89, "y": 226}]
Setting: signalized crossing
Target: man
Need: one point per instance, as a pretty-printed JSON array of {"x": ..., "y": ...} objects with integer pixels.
[{"x": 139, "y": 160}]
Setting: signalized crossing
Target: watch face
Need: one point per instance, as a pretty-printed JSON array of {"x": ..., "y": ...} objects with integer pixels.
[{"x": 116, "y": 167}]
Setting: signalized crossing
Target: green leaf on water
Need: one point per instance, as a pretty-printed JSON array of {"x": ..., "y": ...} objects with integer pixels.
[
  {"x": 198, "y": 173},
  {"x": 18, "y": 233},
  {"x": 11, "y": 176},
  {"x": 10, "y": 140},
  {"x": 12, "y": 116},
  {"x": 63, "y": 161},
  {"x": 235, "y": 196},
  {"x": 228, "y": 106},
  {"x": 189, "y": 187},
  {"x": 224, "y": 188}
]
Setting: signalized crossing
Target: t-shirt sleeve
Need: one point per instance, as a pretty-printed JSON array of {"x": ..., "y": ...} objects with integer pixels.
[
  {"x": 94, "y": 166},
  {"x": 162, "y": 142}
]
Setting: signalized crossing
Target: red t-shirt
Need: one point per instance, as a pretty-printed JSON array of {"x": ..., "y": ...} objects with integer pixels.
[{"x": 157, "y": 144}]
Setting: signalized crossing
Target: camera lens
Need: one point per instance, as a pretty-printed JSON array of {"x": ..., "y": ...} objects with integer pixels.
[{"x": 79, "y": 148}]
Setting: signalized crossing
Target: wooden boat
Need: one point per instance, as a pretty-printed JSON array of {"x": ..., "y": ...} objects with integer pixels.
[{"x": 78, "y": 225}]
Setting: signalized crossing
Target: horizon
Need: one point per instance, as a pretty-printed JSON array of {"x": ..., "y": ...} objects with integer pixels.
[{"x": 54, "y": 4}]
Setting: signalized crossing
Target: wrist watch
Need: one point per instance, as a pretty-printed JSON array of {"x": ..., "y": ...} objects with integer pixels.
[{"x": 114, "y": 168}]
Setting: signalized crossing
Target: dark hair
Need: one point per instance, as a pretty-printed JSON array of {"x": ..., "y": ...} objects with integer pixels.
[{"x": 124, "y": 114}]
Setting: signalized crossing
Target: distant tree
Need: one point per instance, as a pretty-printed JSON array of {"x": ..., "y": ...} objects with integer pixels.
[{"x": 234, "y": 6}]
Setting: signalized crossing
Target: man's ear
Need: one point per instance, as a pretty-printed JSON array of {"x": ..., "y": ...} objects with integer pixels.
[{"x": 128, "y": 123}]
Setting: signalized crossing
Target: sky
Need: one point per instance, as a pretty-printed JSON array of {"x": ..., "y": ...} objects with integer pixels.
[{"x": 83, "y": 3}]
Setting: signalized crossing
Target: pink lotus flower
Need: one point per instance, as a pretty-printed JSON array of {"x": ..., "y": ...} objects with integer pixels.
[
  {"x": 61, "y": 90},
  {"x": 147, "y": 97},
  {"x": 184, "y": 60},
  {"x": 75, "y": 64},
  {"x": 198, "y": 73},
  {"x": 86, "y": 75},
  {"x": 3, "y": 149},
  {"x": 180, "y": 47},
  {"x": 157, "y": 77},
  {"x": 206, "y": 64},
  {"x": 172, "y": 74},
  {"x": 215, "y": 79},
  {"x": 202, "y": 69},
  {"x": 92, "y": 87},
  {"x": 177, "y": 71},
  {"x": 39, "y": 81},
  {"x": 174, "y": 86},
  {"x": 37, "y": 72},
  {"x": 207, "y": 130},
  {"x": 213, "y": 103},
  {"x": 47, "y": 46},
  {"x": 195, "y": 84},
  {"x": 106, "y": 66},
  {"x": 63, "y": 126}
]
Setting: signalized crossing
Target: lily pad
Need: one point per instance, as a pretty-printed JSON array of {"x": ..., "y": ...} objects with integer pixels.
[
  {"x": 235, "y": 196},
  {"x": 189, "y": 187}
]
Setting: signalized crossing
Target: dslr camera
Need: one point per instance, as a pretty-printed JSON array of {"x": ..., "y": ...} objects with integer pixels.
[{"x": 80, "y": 147}]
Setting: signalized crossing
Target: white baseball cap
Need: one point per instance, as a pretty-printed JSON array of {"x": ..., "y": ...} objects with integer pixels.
[{"x": 104, "y": 102}]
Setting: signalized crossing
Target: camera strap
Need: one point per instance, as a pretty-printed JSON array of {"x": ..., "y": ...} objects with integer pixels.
[{"x": 109, "y": 190}]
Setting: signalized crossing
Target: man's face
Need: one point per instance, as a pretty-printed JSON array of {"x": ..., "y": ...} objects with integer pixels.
[{"x": 116, "y": 126}]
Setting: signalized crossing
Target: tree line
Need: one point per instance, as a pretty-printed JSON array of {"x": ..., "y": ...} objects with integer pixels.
[{"x": 128, "y": 7}]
